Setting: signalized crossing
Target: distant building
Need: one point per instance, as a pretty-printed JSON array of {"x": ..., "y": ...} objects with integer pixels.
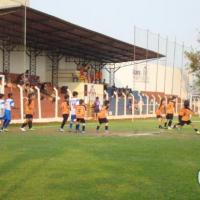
[{"x": 12, "y": 3}]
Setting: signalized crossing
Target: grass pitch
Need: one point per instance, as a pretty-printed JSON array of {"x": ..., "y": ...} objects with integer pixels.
[{"x": 47, "y": 165}]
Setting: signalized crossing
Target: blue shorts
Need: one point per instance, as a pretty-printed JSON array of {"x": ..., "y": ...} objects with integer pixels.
[
  {"x": 73, "y": 118},
  {"x": 7, "y": 115}
]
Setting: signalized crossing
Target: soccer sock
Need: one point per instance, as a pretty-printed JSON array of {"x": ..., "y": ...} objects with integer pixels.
[
  {"x": 7, "y": 123},
  {"x": 196, "y": 129},
  {"x": 30, "y": 124},
  {"x": 165, "y": 124},
  {"x": 170, "y": 123},
  {"x": 98, "y": 127},
  {"x": 83, "y": 127},
  {"x": 4, "y": 124},
  {"x": 63, "y": 124},
  {"x": 106, "y": 128},
  {"x": 23, "y": 125},
  {"x": 77, "y": 127},
  {"x": 70, "y": 125}
]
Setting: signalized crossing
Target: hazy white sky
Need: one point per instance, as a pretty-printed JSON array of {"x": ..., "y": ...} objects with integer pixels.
[{"x": 116, "y": 18}]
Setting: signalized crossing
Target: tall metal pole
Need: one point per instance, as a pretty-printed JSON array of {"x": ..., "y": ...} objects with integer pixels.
[
  {"x": 134, "y": 57},
  {"x": 146, "y": 66},
  {"x": 166, "y": 54},
  {"x": 182, "y": 66},
  {"x": 25, "y": 32},
  {"x": 157, "y": 62},
  {"x": 172, "y": 89}
]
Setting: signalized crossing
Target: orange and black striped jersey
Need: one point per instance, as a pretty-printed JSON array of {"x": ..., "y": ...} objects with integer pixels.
[
  {"x": 181, "y": 112},
  {"x": 170, "y": 108},
  {"x": 186, "y": 114},
  {"x": 29, "y": 107},
  {"x": 80, "y": 111},
  {"x": 65, "y": 108},
  {"x": 161, "y": 110},
  {"x": 103, "y": 112}
]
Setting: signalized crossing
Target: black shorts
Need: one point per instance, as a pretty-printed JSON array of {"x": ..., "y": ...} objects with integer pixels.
[
  {"x": 80, "y": 120},
  {"x": 29, "y": 116},
  {"x": 159, "y": 117},
  {"x": 182, "y": 123},
  {"x": 103, "y": 121},
  {"x": 65, "y": 116},
  {"x": 170, "y": 116}
]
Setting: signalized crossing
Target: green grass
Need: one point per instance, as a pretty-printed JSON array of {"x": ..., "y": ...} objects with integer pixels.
[{"x": 47, "y": 165}]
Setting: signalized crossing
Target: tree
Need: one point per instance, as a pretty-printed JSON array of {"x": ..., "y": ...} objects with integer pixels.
[{"x": 194, "y": 58}]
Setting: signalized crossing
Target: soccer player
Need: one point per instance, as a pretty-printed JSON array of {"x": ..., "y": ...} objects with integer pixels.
[
  {"x": 29, "y": 111},
  {"x": 102, "y": 117},
  {"x": 80, "y": 116},
  {"x": 73, "y": 103},
  {"x": 9, "y": 104},
  {"x": 185, "y": 117},
  {"x": 170, "y": 113},
  {"x": 160, "y": 113},
  {"x": 65, "y": 112},
  {"x": 96, "y": 107},
  {"x": 2, "y": 108}
]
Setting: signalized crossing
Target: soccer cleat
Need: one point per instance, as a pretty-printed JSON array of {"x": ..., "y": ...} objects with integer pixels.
[
  {"x": 61, "y": 130},
  {"x": 83, "y": 132},
  {"x": 106, "y": 132},
  {"x": 23, "y": 129},
  {"x": 198, "y": 132},
  {"x": 31, "y": 129},
  {"x": 6, "y": 130},
  {"x": 170, "y": 128}
]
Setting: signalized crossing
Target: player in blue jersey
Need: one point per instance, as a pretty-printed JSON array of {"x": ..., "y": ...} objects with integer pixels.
[
  {"x": 74, "y": 101},
  {"x": 9, "y": 104},
  {"x": 2, "y": 109}
]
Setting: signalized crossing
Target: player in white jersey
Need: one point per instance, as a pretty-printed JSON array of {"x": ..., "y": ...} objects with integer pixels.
[
  {"x": 2, "y": 108},
  {"x": 9, "y": 104},
  {"x": 74, "y": 101}
]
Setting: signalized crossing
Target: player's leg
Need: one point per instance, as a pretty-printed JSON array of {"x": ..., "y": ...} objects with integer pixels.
[
  {"x": 30, "y": 124},
  {"x": 194, "y": 127},
  {"x": 99, "y": 125},
  {"x": 83, "y": 125},
  {"x": 65, "y": 117},
  {"x": 106, "y": 125},
  {"x": 77, "y": 125},
  {"x": 24, "y": 124},
  {"x": 72, "y": 121}
]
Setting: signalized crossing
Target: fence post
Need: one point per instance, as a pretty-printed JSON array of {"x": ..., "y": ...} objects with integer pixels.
[
  {"x": 147, "y": 106},
  {"x": 133, "y": 106},
  {"x": 39, "y": 102},
  {"x": 176, "y": 105},
  {"x": 106, "y": 94},
  {"x": 21, "y": 102},
  {"x": 140, "y": 103},
  {"x": 125, "y": 103},
  {"x": 154, "y": 104},
  {"x": 56, "y": 102},
  {"x": 116, "y": 103}
]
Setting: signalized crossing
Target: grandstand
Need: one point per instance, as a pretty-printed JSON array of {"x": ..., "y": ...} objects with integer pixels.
[{"x": 59, "y": 54}]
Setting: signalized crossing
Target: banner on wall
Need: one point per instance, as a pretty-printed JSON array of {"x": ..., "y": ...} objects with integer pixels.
[{"x": 140, "y": 74}]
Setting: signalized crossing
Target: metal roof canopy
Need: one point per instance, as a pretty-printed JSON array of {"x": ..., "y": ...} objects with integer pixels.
[{"x": 50, "y": 33}]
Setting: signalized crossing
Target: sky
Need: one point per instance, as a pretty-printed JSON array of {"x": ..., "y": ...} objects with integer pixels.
[{"x": 116, "y": 18}]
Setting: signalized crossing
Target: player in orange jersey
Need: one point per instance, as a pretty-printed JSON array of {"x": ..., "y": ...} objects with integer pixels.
[
  {"x": 102, "y": 116},
  {"x": 170, "y": 109},
  {"x": 80, "y": 116},
  {"x": 29, "y": 111},
  {"x": 185, "y": 117},
  {"x": 65, "y": 109},
  {"x": 160, "y": 112}
]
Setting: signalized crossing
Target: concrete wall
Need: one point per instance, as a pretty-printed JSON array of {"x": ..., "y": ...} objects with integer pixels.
[{"x": 134, "y": 77}]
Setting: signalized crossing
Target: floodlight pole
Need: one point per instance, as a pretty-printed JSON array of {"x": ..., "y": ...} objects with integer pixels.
[{"x": 25, "y": 31}]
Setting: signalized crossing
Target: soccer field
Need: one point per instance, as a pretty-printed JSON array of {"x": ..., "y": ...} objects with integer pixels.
[{"x": 129, "y": 164}]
